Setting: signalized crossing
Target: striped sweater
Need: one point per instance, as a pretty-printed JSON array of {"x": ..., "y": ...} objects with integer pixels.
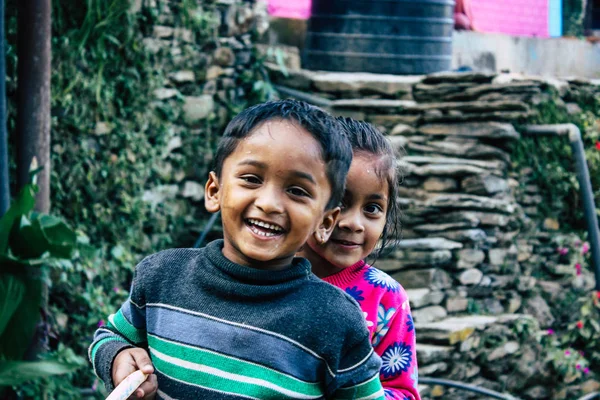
[{"x": 219, "y": 330}]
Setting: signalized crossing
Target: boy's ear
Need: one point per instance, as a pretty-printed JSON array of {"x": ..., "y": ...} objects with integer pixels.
[
  {"x": 212, "y": 193},
  {"x": 325, "y": 228}
]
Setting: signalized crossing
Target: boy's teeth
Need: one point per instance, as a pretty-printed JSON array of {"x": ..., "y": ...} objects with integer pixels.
[
  {"x": 265, "y": 225},
  {"x": 261, "y": 233}
]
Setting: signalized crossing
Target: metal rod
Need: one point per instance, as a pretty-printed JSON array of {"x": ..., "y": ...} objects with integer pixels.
[
  {"x": 585, "y": 185},
  {"x": 467, "y": 387},
  {"x": 300, "y": 95},
  {"x": 207, "y": 228},
  {"x": 591, "y": 396},
  {"x": 4, "y": 184}
]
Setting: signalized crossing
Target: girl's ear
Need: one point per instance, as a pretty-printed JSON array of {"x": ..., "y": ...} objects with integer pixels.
[
  {"x": 327, "y": 225},
  {"x": 212, "y": 193}
]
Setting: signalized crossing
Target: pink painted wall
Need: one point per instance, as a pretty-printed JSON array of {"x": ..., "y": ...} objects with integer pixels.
[
  {"x": 512, "y": 17},
  {"x": 299, "y": 9}
]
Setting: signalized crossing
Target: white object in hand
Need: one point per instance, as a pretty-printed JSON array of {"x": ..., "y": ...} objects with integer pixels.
[{"x": 128, "y": 386}]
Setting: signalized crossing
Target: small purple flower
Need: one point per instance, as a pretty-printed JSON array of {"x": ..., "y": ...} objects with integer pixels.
[
  {"x": 101, "y": 323},
  {"x": 550, "y": 331},
  {"x": 116, "y": 289},
  {"x": 567, "y": 353},
  {"x": 585, "y": 248},
  {"x": 577, "y": 242},
  {"x": 578, "y": 269},
  {"x": 578, "y": 366},
  {"x": 586, "y": 370},
  {"x": 581, "y": 353}
]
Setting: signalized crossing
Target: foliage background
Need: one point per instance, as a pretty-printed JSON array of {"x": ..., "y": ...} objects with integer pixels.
[{"x": 112, "y": 151}]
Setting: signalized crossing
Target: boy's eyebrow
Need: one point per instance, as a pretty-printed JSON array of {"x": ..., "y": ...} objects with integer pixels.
[
  {"x": 304, "y": 175},
  {"x": 295, "y": 172},
  {"x": 254, "y": 163}
]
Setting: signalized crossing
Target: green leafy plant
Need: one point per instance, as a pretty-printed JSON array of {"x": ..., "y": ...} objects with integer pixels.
[
  {"x": 29, "y": 244},
  {"x": 551, "y": 158},
  {"x": 573, "y": 343}
]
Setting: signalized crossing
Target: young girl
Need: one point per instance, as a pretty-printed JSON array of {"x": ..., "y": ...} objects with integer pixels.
[{"x": 369, "y": 214}]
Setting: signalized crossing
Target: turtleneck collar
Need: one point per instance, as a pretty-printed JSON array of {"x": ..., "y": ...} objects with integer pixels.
[
  {"x": 299, "y": 268},
  {"x": 347, "y": 275}
]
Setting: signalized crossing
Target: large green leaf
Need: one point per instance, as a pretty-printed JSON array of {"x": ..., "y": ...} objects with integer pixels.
[
  {"x": 22, "y": 205},
  {"x": 17, "y": 335},
  {"x": 61, "y": 238},
  {"x": 42, "y": 236},
  {"x": 12, "y": 290},
  {"x": 27, "y": 240},
  {"x": 17, "y": 372}
]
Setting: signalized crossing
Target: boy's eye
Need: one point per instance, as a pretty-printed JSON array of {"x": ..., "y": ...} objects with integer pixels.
[
  {"x": 251, "y": 179},
  {"x": 298, "y": 191},
  {"x": 373, "y": 209}
]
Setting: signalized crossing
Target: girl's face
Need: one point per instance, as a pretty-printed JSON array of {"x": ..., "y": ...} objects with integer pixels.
[{"x": 361, "y": 222}]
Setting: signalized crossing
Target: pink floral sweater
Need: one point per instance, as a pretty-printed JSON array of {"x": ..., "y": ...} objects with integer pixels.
[{"x": 385, "y": 305}]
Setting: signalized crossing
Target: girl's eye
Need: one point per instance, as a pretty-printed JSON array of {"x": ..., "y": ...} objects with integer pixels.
[
  {"x": 251, "y": 179},
  {"x": 373, "y": 209},
  {"x": 298, "y": 191}
]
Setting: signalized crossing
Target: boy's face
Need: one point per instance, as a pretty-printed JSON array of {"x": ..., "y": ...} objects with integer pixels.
[{"x": 272, "y": 194}]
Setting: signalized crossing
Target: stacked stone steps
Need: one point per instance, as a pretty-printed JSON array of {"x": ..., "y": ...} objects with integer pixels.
[{"x": 462, "y": 256}]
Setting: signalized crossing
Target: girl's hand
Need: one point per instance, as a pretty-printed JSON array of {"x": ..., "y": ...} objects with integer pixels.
[{"x": 127, "y": 362}]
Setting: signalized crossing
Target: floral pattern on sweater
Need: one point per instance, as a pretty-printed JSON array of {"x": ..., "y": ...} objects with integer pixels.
[{"x": 385, "y": 304}]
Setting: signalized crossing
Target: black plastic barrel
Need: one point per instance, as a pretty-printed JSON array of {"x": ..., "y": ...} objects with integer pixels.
[{"x": 403, "y": 37}]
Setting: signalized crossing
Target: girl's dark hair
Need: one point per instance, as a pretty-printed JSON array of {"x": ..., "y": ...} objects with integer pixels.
[
  {"x": 364, "y": 137},
  {"x": 335, "y": 148}
]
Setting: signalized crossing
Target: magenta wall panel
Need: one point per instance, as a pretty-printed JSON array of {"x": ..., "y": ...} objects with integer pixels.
[
  {"x": 512, "y": 17},
  {"x": 299, "y": 9}
]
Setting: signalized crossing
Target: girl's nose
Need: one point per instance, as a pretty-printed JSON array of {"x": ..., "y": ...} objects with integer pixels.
[{"x": 351, "y": 220}]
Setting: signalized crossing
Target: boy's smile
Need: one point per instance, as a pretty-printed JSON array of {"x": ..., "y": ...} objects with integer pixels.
[{"x": 272, "y": 194}]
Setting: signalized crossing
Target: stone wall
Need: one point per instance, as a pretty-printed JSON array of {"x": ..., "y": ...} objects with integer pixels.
[
  {"x": 473, "y": 243},
  {"x": 210, "y": 66}
]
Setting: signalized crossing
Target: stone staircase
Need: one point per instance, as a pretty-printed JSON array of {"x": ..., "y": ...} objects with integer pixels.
[{"x": 463, "y": 253}]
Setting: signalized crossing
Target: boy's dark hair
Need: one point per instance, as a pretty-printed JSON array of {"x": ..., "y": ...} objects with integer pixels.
[
  {"x": 364, "y": 137},
  {"x": 336, "y": 150}
]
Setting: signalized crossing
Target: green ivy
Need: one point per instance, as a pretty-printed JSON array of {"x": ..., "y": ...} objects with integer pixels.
[
  {"x": 108, "y": 147},
  {"x": 552, "y": 162}
]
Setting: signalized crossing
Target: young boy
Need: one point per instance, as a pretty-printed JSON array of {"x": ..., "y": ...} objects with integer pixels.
[{"x": 243, "y": 318}]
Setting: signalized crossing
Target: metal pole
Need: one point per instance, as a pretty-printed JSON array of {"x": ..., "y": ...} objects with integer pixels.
[
  {"x": 583, "y": 176},
  {"x": 33, "y": 93},
  {"x": 4, "y": 186},
  {"x": 465, "y": 386},
  {"x": 587, "y": 197},
  {"x": 33, "y": 125}
]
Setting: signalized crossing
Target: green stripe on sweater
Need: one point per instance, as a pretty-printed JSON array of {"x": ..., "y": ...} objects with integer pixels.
[
  {"x": 131, "y": 333},
  {"x": 99, "y": 343},
  {"x": 214, "y": 371},
  {"x": 370, "y": 389}
]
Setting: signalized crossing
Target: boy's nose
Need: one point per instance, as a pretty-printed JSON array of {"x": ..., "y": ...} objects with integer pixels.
[{"x": 269, "y": 200}]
